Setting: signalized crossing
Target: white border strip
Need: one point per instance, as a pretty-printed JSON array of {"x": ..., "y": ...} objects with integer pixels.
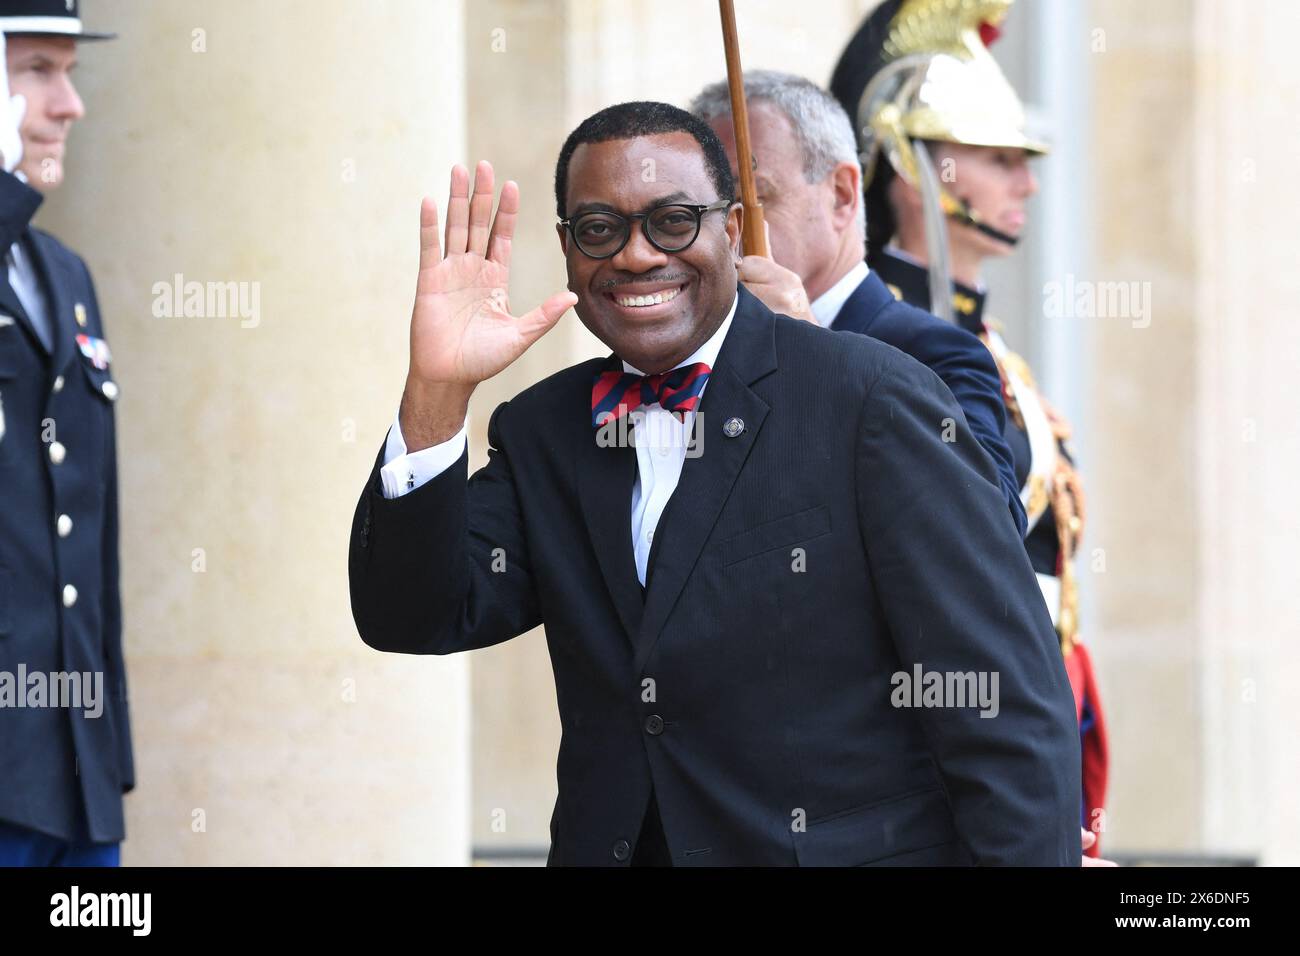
[{"x": 69, "y": 25}]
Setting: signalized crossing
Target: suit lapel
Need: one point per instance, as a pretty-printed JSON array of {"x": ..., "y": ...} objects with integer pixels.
[
  {"x": 861, "y": 308},
  {"x": 10, "y": 305},
  {"x": 58, "y": 281},
  {"x": 605, "y": 479},
  {"x": 748, "y": 353}
]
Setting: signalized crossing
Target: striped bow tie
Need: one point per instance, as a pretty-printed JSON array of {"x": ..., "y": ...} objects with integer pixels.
[{"x": 615, "y": 394}]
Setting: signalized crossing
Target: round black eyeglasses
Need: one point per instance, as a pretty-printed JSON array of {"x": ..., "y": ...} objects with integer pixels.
[{"x": 672, "y": 227}]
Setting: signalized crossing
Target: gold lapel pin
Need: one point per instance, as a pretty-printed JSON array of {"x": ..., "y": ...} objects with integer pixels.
[{"x": 79, "y": 311}]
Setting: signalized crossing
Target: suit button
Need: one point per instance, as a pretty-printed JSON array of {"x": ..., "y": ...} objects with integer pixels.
[
  {"x": 64, "y": 524},
  {"x": 110, "y": 391},
  {"x": 58, "y": 384},
  {"x": 622, "y": 850},
  {"x": 654, "y": 724},
  {"x": 69, "y": 595},
  {"x": 57, "y": 452}
]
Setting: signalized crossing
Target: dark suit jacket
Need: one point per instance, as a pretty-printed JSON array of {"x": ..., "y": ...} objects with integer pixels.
[
  {"x": 62, "y": 772},
  {"x": 835, "y": 541},
  {"x": 952, "y": 353}
]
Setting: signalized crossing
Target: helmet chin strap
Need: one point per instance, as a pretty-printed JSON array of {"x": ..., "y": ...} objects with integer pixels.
[
  {"x": 960, "y": 210},
  {"x": 938, "y": 266}
]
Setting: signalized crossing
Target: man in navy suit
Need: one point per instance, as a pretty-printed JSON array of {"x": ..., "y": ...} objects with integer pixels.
[
  {"x": 763, "y": 574},
  {"x": 65, "y": 734},
  {"x": 810, "y": 184}
]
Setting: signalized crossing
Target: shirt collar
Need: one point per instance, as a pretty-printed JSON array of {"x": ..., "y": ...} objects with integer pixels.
[
  {"x": 706, "y": 353},
  {"x": 827, "y": 305}
]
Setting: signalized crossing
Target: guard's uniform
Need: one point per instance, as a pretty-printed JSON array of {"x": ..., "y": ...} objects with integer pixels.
[
  {"x": 63, "y": 770},
  {"x": 918, "y": 72}
]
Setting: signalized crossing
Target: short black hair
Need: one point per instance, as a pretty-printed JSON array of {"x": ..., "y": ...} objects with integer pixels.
[{"x": 644, "y": 118}]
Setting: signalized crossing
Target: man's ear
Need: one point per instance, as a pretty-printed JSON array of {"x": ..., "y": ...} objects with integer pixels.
[
  {"x": 846, "y": 185},
  {"x": 735, "y": 222},
  {"x": 564, "y": 238}
]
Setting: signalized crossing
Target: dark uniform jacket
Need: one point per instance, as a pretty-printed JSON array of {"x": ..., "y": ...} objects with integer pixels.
[{"x": 63, "y": 770}]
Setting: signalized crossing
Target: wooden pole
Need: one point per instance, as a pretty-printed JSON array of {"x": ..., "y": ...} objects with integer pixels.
[{"x": 753, "y": 240}]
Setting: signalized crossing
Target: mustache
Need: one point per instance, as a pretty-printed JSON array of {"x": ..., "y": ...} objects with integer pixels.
[{"x": 618, "y": 281}]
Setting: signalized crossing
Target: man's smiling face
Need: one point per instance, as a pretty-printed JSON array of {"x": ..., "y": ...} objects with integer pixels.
[{"x": 695, "y": 287}]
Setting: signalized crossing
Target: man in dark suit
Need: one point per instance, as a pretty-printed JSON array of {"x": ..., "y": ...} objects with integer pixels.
[
  {"x": 745, "y": 538},
  {"x": 65, "y": 736},
  {"x": 810, "y": 184}
]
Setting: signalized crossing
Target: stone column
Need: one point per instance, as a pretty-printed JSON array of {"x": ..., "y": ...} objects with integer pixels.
[
  {"x": 283, "y": 148},
  {"x": 1194, "y": 440}
]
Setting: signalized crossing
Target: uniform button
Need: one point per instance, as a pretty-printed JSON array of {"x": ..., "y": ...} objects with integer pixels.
[
  {"x": 69, "y": 595},
  {"x": 654, "y": 724},
  {"x": 650, "y": 536},
  {"x": 64, "y": 524},
  {"x": 110, "y": 391},
  {"x": 622, "y": 850},
  {"x": 58, "y": 383},
  {"x": 57, "y": 452}
]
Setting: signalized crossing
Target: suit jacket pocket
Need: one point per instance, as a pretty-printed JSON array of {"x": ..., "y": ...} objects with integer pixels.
[
  {"x": 101, "y": 381},
  {"x": 898, "y": 827},
  {"x": 780, "y": 533}
]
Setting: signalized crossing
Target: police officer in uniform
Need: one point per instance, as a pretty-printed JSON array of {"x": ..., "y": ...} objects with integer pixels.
[
  {"x": 65, "y": 736},
  {"x": 945, "y": 153}
]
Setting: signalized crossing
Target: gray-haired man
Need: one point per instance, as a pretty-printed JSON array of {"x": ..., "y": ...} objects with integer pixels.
[{"x": 810, "y": 185}]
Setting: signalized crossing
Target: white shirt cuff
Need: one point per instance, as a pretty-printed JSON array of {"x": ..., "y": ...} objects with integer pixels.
[{"x": 402, "y": 473}]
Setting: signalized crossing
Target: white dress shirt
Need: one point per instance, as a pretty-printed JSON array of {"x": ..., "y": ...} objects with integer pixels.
[
  {"x": 661, "y": 445},
  {"x": 27, "y": 286},
  {"x": 827, "y": 305}
]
